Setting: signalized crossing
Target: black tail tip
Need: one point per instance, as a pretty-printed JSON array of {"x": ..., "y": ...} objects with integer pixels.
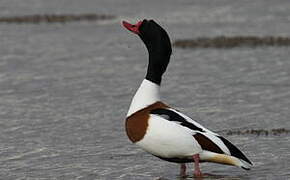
[{"x": 246, "y": 168}]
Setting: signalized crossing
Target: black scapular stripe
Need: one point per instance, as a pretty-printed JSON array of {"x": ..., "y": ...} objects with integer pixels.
[
  {"x": 234, "y": 150},
  {"x": 173, "y": 116}
]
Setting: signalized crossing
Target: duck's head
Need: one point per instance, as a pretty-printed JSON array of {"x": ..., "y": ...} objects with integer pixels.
[{"x": 158, "y": 45}]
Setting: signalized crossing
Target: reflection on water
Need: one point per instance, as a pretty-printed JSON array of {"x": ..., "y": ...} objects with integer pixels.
[
  {"x": 51, "y": 18},
  {"x": 206, "y": 176},
  {"x": 232, "y": 42}
]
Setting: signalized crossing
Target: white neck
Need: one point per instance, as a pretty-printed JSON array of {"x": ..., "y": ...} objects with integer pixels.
[{"x": 147, "y": 94}]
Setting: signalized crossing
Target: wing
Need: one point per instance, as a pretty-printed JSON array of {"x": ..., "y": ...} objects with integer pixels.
[
  {"x": 207, "y": 139},
  {"x": 179, "y": 118}
]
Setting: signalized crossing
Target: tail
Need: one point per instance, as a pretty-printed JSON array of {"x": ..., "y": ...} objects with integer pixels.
[
  {"x": 219, "y": 150},
  {"x": 208, "y": 156},
  {"x": 232, "y": 156},
  {"x": 245, "y": 163}
]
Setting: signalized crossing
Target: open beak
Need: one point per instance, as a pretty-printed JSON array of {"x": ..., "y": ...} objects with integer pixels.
[{"x": 132, "y": 27}]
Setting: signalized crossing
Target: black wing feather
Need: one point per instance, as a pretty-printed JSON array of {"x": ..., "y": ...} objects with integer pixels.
[
  {"x": 173, "y": 116},
  {"x": 234, "y": 150}
]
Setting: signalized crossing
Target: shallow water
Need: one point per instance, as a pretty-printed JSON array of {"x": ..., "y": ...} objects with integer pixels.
[{"x": 65, "y": 88}]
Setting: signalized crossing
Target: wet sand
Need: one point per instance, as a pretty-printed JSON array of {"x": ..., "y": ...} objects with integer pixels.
[{"x": 65, "y": 87}]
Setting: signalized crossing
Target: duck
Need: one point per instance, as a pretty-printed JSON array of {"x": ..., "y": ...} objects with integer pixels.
[{"x": 164, "y": 131}]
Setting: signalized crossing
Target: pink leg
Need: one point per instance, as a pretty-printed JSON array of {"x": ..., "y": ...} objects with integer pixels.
[
  {"x": 197, "y": 171},
  {"x": 182, "y": 170}
]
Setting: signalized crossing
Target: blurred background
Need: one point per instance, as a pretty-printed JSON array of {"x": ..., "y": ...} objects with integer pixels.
[{"x": 68, "y": 71}]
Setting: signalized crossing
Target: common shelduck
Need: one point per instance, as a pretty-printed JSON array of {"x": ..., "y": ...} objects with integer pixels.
[{"x": 164, "y": 131}]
